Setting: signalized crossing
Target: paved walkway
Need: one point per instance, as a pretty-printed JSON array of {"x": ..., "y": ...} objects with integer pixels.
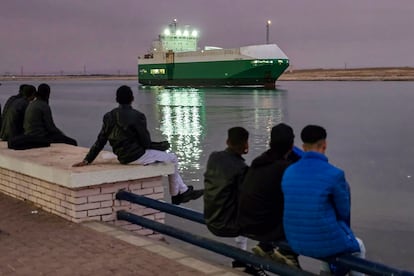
[{"x": 33, "y": 242}]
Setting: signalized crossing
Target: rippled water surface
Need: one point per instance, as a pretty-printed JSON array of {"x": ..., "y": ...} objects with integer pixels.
[{"x": 369, "y": 125}]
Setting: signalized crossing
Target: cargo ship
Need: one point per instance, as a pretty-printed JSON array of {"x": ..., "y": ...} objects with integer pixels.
[{"x": 176, "y": 60}]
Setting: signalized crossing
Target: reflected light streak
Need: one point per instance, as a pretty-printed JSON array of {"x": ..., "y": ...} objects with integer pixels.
[
  {"x": 267, "y": 114},
  {"x": 183, "y": 123}
]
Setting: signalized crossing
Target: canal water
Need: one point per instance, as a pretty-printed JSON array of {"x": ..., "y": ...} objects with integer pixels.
[{"x": 370, "y": 136}]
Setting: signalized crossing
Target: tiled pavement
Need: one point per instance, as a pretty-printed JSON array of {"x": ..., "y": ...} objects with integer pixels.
[{"x": 33, "y": 242}]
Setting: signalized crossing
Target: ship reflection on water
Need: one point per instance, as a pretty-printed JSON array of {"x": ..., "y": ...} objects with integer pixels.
[
  {"x": 185, "y": 115},
  {"x": 183, "y": 120}
]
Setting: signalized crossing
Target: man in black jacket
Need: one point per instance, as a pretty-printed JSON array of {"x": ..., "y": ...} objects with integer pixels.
[
  {"x": 6, "y": 106},
  {"x": 39, "y": 128},
  {"x": 14, "y": 97},
  {"x": 14, "y": 110},
  {"x": 126, "y": 130},
  {"x": 260, "y": 205},
  {"x": 38, "y": 120},
  {"x": 224, "y": 174}
]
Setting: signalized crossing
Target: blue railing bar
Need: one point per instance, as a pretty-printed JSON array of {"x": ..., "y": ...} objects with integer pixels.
[
  {"x": 358, "y": 264},
  {"x": 162, "y": 206},
  {"x": 212, "y": 245},
  {"x": 349, "y": 261},
  {"x": 369, "y": 267}
]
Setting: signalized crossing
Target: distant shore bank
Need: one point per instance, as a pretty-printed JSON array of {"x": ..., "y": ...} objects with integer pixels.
[{"x": 359, "y": 74}]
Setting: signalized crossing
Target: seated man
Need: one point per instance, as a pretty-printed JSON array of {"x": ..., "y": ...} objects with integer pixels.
[
  {"x": 14, "y": 110},
  {"x": 317, "y": 207},
  {"x": 39, "y": 122},
  {"x": 224, "y": 174},
  {"x": 126, "y": 130},
  {"x": 260, "y": 210},
  {"x": 39, "y": 127}
]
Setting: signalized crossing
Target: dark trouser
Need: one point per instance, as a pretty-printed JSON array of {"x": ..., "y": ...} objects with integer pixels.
[
  {"x": 268, "y": 241},
  {"x": 23, "y": 142},
  {"x": 61, "y": 138}
]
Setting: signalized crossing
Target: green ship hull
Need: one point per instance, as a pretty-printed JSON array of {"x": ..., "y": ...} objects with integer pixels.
[{"x": 258, "y": 72}]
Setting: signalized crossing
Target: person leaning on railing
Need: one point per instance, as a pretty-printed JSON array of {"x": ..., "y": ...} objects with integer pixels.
[
  {"x": 317, "y": 207},
  {"x": 260, "y": 203}
]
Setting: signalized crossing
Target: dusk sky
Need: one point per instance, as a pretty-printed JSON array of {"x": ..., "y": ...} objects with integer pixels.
[{"x": 107, "y": 36}]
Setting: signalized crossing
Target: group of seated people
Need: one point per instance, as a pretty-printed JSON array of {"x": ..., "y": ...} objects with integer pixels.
[
  {"x": 286, "y": 195},
  {"x": 27, "y": 122}
]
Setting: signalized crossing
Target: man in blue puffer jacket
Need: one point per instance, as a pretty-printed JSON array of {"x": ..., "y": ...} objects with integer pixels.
[{"x": 317, "y": 207}]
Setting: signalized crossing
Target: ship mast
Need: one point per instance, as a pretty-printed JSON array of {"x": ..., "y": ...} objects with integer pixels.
[
  {"x": 173, "y": 25},
  {"x": 267, "y": 30}
]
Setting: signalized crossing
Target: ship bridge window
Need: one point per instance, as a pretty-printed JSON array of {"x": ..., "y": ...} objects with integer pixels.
[
  {"x": 160, "y": 71},
  {"x": 262, "y": 61}
]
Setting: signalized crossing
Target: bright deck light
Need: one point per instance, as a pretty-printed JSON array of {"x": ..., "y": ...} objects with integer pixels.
[
  {"x": 186, "y": 33},
  {"x": 178, "y": 32},
  {"x": 167, "y": 32},
  {"x": 194, "y": 33}
]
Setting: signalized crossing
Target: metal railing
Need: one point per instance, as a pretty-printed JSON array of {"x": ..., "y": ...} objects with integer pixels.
[{"x": 347, "y": 261}]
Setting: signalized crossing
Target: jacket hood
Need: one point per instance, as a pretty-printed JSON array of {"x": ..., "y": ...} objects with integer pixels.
[{"x": 267, "y": 158}]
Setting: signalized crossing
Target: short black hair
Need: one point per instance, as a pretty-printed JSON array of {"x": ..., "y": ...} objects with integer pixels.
[
  {"x": 237, "y": 136},
  {"x": 43, "y": 91},
  {"x": 281, "y": 138},
  {"x": 312, "y": 133},
  {"x": 28, "y": 91},
  {"x": 124, "y": 95},
  {"x": 21, "y": 88}
]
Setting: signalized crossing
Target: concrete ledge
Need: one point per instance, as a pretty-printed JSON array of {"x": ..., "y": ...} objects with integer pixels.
[
  {"x": 54, "y": 164},
  {"x": 45, "y": 176}
]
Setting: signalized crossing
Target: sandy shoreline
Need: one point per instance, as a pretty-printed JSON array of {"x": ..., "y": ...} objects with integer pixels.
[{"x": 360, "y": 74}]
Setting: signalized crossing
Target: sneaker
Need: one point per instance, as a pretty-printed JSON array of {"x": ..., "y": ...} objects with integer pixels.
[
  {"x": 289, "y": 259},
  {"x": 275, "y": 255},
  {"x": 252, "y": 270},
  {"x": 188, "y": 195},
  {"x": 257, "y": 250},
  {"x": 238, "y": 264}
]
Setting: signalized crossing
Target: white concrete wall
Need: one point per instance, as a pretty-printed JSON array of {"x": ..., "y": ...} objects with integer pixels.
[{"x": 46, "y": 177}]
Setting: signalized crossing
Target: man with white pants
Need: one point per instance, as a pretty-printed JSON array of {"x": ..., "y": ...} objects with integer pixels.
[{"x": 126, "y": 130}]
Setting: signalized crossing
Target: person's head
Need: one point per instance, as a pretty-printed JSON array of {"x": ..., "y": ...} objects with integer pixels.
[
  {"x": 281, "y": 138},
  {"x": 21, "y": 87},
  {"x": 28, "y": 91},
  {"x": 237, "y": 140},
  {"x": 43, "y": 92},
  {"x": 313, "y": 138},
  {"x": 124, "y": 95}
]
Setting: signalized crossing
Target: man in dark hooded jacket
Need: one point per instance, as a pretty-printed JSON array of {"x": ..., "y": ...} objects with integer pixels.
[
  {"x": 39, "y": 128},
  {"x": 14, "y": 97},
  {"x": 39, "y": 122},
  {"x": 13, "y": 112},
  {"x": 260, "y": 205}
]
